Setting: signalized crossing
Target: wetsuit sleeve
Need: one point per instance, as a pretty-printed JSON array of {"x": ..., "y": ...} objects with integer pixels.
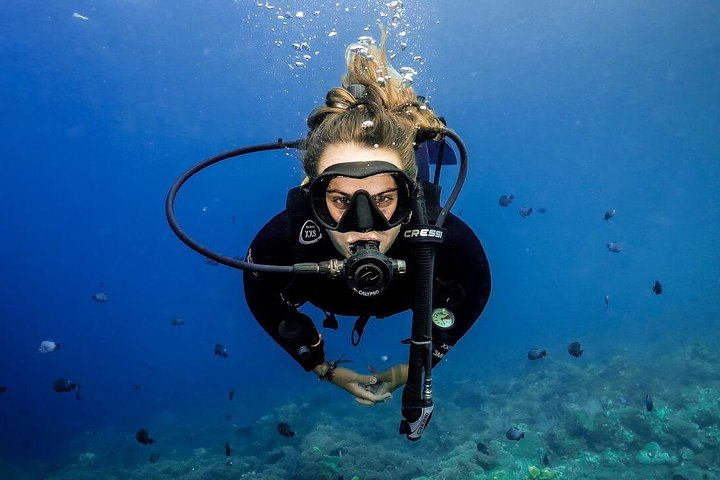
[
  {"x": 264, "y": 295},
  {"x": 462, "y": 283}
]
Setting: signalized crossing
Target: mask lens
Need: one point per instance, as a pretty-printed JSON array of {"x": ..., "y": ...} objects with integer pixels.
[
  {"x": 381, "y": 192},
  {"x": 375, "y": 202}
]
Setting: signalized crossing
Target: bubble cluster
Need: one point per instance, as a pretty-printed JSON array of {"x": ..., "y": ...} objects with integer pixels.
[{"x": 303, "y": 33}]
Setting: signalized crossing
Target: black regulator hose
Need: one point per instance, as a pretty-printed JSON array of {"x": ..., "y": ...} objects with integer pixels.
[{"x": 187, "y": 240}]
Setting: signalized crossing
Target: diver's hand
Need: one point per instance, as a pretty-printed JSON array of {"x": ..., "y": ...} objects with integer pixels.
[
  {"x": 356, "y": 384},
  {"x": 387, "y": 381},
  {"x": 359, "y": 385}
]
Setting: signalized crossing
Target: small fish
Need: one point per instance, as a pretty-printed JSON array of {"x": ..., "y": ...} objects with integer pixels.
[
  {"x": 505, "y": 200},
  {"x": 143, "y": 437},
  {"x": 609, "y": 214},
  {"x": 233, "y": 219},
  {"x": 546, "y": 460},
  {"x": 614, "y": 247},
  {"x": 525, "y": 211},
  {"x": 220, "y": 350},
  {"x": 384, "y": 358},
  {"x": 575, "y": 349},
  {"x": 81, "y": 17},
  {"x": 536, "y": 354},
  {"x": 137, "y": 386},
  {"x": 228, "y": 417},
  {"x": 100, "y": 297},
  {"x": 154, "y": 457},
  {"x": 77, "y": 393},
  {"x": 607, "y": 302},
  {"x": 649, "y": 403},
  {"x": 227, "y": 449},
  {"x": 3, "y": 389},
  {"x": 63, "y": 385},
  {"x": 47, "y": 346},
  {"x": 211, "y": 262},
  {"x": 231, "y": 395},
  {"x": 482, "y": 448},
  {"x": 285, "y": 430},
  {"x": 176, "y": 322},
  {"x": 542, "y": 210},
  {"x": 514, "y": 434},
  {"x": 657, "y": 288}
]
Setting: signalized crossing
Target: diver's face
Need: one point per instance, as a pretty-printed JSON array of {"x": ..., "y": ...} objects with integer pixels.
[{"x": 381, "y": 188}]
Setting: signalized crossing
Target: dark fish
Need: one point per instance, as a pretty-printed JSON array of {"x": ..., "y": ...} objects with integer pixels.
[
  {"x": 77, "y": 393},
  {"x": 614, "y": 247},
  {"x": 231, "y": 394},
  {"x": 546, "y": 460},
  {"x": 607, "y": 301},
  {"x": 227, "y": 449},
  {"x": 677, "y": 476},
  {"x": 505, "y": 200},
  {"x": 514, "y": 434},
  {"x": 233, "y": 219},
  {"x": 575, "y": 349},
  {"x": 657, "y": 288},
  {"x": 176, "y": 322},
  {"x": 228, "y": 417},
  {"x": 62, "y": 385},
  {"x": 542, "y": 210},
  {"x": 482, "y": 448},
  {"x": 154, "y": 457},
  {"x": 609, "y": 214},
  {"x": 100, "y": 297},
  {"x": 137, "y": 386},
  {"x": 143, "y": 437},
  {"x": 220, "y": 350},
  {"x": 211, "y": 262},
  {"x": 536, "y": 354},
  {"x": 525, "y": 211},
  {"x": 649, "y": 403},
  {"x": 3, "y": 388},
  {"x": 285, "y": 430}
]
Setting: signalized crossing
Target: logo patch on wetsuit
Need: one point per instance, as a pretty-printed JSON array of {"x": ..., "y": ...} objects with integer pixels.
[{"x": 309, "y": 233}]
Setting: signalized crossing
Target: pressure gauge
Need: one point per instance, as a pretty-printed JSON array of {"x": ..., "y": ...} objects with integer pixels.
[{"x": 443, "y": 318}]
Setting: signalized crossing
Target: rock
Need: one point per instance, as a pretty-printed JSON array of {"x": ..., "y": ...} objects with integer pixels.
[{"x": 652, "y": 454}]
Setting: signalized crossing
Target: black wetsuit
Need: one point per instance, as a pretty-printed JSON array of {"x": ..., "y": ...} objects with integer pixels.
[{"x": 462, "y": 282}]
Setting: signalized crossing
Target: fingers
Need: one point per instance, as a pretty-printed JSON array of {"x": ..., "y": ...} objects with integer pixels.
[
  {"x": 368, "y": 398},
  {"x": 365, "y": 379}
]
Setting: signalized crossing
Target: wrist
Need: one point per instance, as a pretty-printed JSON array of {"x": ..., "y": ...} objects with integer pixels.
[{"x": 325, "y": 370}]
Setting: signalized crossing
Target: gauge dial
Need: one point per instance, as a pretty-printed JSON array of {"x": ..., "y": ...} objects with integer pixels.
[{"x": 443, "y": 318}]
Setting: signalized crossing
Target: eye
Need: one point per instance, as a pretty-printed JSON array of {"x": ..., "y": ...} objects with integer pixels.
[
  {"x": 384, "y": 199},
  {"x": 341, "y": 202}
]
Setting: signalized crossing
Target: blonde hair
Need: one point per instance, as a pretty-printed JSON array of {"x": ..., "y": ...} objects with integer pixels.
[{"x": 387, "y": 115}]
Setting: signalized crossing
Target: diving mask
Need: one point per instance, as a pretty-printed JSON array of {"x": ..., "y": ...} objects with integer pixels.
[{"x": 358, "y": 210}]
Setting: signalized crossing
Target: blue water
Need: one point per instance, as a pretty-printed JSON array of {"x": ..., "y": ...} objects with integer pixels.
[{"x": 577, "y": 107}]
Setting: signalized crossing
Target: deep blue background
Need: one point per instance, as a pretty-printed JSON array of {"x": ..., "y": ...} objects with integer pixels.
[{"x": 571, "y": 106}]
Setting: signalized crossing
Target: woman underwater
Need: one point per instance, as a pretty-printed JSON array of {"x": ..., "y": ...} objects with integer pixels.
[{"x": 359, "y": 158}]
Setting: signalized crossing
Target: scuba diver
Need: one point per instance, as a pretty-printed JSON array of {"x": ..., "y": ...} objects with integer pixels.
[
  {"x": 366, "y": 236},
  {"x": 361, "y": 171}
]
